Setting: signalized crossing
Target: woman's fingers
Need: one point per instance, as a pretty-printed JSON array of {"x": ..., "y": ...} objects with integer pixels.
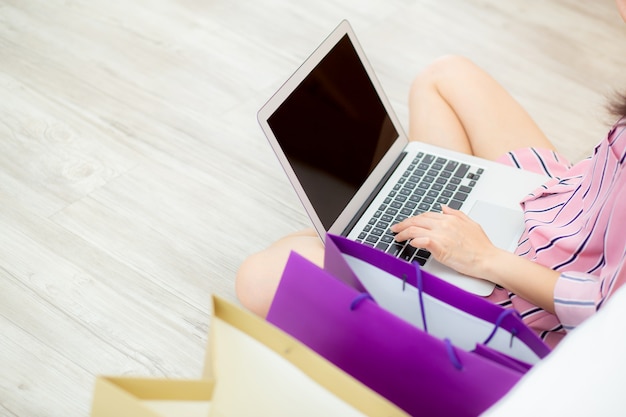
[
  {"x": 419, "y": 226},
  {"x": 406, "y": 231},
  {"x": 451, "y": 236}
]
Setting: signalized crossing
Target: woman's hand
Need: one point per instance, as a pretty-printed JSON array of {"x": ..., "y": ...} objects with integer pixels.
[
  {"x": 459, "y": 242},
  {"x": 452, "y": 237}
]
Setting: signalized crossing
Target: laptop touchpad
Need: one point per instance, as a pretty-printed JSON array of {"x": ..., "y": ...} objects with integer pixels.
[{"x": 502, "y": 225}]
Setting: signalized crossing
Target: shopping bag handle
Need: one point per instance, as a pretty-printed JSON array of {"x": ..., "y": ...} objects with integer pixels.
[
  {"x": 420, "y": 290},
  {"x": 454, "y": 359},
  {"x": 359, "y": 299},
  {"x": 504, "y": 314}
]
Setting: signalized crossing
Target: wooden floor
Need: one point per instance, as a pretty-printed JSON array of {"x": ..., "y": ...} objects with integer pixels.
[{"x": 134, "y": 178}]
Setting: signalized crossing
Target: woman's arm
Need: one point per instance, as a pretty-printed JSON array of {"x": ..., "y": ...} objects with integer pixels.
[
  {"x": 533, "y": 282},
  {"x": 460, "y": 243}
]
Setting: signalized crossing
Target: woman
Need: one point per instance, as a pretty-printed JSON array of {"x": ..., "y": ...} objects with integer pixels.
[{"x": 570, "y": 258}]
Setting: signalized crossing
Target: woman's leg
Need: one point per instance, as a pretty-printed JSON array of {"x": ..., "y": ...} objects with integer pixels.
[
  {"x": 455, "y": 104},
  {"x": 259, "y": 275}
]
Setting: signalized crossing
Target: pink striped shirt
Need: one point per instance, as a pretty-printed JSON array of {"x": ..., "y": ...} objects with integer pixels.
[{"x": 574, "y": 226}]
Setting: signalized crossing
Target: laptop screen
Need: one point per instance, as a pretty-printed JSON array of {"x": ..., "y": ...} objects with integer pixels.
[{"x": 334, "y": 130}]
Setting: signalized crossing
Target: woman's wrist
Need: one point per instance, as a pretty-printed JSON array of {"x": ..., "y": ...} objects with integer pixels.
[
  {"x": 531, "y": 281},
  {"x": 495, "y": 266}
]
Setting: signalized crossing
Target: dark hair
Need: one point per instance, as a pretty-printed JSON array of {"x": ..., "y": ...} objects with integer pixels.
[{"x": 617, "y": 106}]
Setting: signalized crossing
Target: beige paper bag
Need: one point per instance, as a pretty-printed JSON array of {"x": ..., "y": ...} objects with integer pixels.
[{"x": 251, "y": 369}]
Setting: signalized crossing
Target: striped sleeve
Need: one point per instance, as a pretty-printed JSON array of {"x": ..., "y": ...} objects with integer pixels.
[
  {"x": 579, "y": 295},
  {"x": 576, "y": 298}
]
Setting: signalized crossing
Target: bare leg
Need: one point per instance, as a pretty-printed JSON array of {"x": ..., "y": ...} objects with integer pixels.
[
  {"x": 456, "y": 105},
  {"x": 259, "y": 275},
  {"x": 453, "y": 104}
]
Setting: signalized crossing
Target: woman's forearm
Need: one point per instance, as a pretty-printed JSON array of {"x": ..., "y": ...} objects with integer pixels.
[{"x": 533, "y": 282}]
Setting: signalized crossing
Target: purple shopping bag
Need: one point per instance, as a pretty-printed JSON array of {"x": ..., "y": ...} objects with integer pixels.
[
  {"x": 421, "y": 373},
  {"x": 432, "y": 304}
]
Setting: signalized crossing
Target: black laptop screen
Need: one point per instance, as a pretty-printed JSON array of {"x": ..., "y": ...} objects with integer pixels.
[{"x": 334, "y": 130}]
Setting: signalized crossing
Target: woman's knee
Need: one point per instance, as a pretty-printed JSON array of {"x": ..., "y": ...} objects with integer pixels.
[
  {"x": 255, "y": 284},
  {"x": 441, "y": 68},
  {"x": 258, "y": 276}
]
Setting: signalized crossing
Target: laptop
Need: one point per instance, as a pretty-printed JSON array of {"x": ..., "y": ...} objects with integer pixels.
[{"x": 356, "y": 173}]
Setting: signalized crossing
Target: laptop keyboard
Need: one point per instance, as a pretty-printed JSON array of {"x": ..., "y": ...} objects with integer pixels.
[{"x": 428, "y": 182}]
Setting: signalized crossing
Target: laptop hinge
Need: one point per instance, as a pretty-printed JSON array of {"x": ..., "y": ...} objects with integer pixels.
[{"x": 373, "y": 195}]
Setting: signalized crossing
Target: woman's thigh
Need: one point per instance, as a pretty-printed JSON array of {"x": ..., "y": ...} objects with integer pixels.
[{"x": 455, "y": 104}]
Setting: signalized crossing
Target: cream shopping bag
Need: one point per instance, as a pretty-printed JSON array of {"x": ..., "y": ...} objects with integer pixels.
[{"x": 251, "y": 369}]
